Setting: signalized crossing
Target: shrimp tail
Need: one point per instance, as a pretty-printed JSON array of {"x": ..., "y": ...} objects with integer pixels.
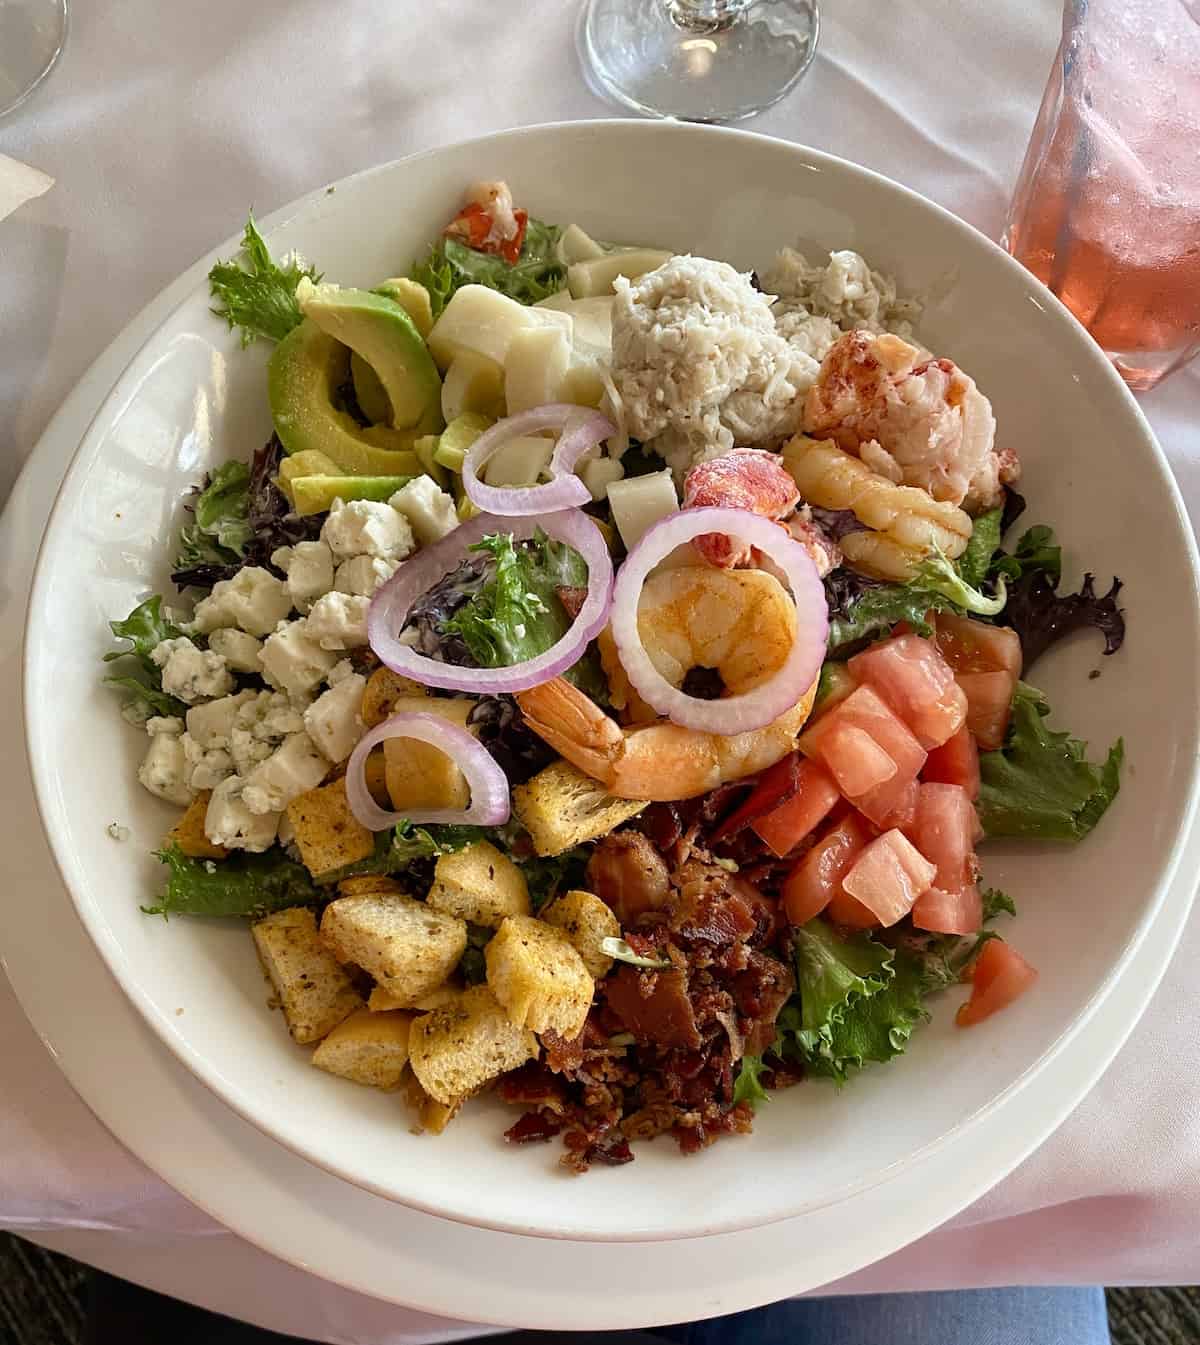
[{"x": 562, "y": 716}]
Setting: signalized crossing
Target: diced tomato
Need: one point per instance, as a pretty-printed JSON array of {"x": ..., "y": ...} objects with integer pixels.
[
  {"x": 784, "y": 828},
  {"x": 989, "y": 704},
  {"x": 817, "y": 878},
  {"x": 914, "y": 679},
  {"x": 849, "y": 912},
  {"x": 890, "y": 804},
  {"x": 956, "y": 762},
  {"x": 775, "y": 786},
  {"x": 864, "y": 709},
  {"x": 903, "y": 811},
  {"x": 855, "y": 760},
  {"x": 970, "y": 646},
  {"x": 888, "y": 876},
  {"x": 943, "y": 912},
  {"x": 944, "y": 831},
  {"x": 1001, "y": 974}
]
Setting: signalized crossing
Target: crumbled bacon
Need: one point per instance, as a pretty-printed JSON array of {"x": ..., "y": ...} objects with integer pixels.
[
  {"x": 630, "y": 875},
  {"x": 654, "y": 1006}
]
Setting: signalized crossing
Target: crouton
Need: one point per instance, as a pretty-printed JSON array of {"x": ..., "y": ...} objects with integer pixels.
[
  {"x": 362, "y": 883},
  {"x": 367, "y": 1048},
  {"x": 314, "y": 992},
  {"x": 419, "y": 775},
  {"x": 385, "y": 687},
  {"x": 406, "y": 947},
  {"x": 585, "y": 920},
  {"x": 188, "y": 832},
  {"x": 327, "y": 832},
  {"x": 480, "y": 884},
  {"x": 381, "y": 1001},
  {"x": 535, "y": 972},
  {"x": 432, "y": 1115},
  {"x": 561, "y": 807},
  {"x": 458, "y": 1048}
]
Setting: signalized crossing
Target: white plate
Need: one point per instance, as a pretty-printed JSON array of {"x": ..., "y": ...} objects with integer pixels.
[
  {"x": 316, "y": 1223},
  {"x": 191, "y": 397}
]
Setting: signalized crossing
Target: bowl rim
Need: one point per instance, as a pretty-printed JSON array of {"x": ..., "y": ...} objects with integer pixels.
[{"x": 208, "y": 1072}]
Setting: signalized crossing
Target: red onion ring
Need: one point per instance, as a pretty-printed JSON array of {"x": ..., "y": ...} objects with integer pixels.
[
  {"x": 752, "y": 709},
  {"x": 582, "y": 429},
  {"x": 490, "y": 805},
  {"x": 392, "y": 603}
]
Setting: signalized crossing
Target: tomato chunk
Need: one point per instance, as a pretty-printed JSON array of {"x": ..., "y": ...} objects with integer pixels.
[
  {"x": 817, "y": 878},
  {"x": 970, "y": 646},
  {"x": 944, "y": 831},
  {"x": 849, "y": 912},
  {"x": 904, "y": 807},
  {"x": 787, "y": 825},
  {"x": 1001, "y": 974},
  {"x": 956, "y": 762},
  {"x": 914, "y": 679},
  {"x": 943, "y": 912},
  {"x": 855, "y": 760},
  {"x": 989, "y": 705},
  {"x": 888, "y": 876}
]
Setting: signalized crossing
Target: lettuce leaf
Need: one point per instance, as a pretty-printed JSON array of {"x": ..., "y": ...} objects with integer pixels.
[
  {"x": 243, "y": 885},
  {"x": 255, "y": 293},
  {"x": 747, "y": 1087},
  {"x": 975, "y": 562},
  {"x": 395, "y": 850},
  {"x": 220, "y": 527},
  {"x": 547, "y": 877},
  {"x": 1041, "y": 783},
  {"x": 871, "y": 613},
  {"x": 536, "y": 274},
  {"x": 832, "y": 973},
  {"x": 144, "y": 628}
]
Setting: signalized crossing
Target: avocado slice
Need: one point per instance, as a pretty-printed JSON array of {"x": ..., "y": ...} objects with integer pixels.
[
  {"x": 316, "y": 494},
  {"x": 413, "y": 297},
  {"x": 307, "y": 368},
  {"x": 310, "y": 463},
  {"x": 382, "y": 333},
  {"x": 425, "y": 448},
  {"x": 372, "y": 399}
]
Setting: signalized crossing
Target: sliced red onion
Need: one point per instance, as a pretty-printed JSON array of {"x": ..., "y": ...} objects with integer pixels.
[
  {"x": 490, "y": 805},
  {"x": 392, "y": 603},
  {"x": 752, "y": 709},
  {"x": 582, "y": 429}
]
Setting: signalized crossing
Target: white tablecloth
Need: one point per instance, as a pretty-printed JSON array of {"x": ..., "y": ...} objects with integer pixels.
[{"x": 162, "y": 124}]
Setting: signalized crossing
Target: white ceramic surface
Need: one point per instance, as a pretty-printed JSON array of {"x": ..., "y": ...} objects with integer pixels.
[
  {"x": 288, "y": 1208},
  {"x": 191, "y": 397}
]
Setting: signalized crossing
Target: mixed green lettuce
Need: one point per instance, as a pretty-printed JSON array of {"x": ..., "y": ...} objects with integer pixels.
[
  {"x": 1041, "y": 784},
  {"x": 255, "y": 293},
  {"x": 143, "y": 629},
  {"x": 243, "y": 885},
  {"x": 536, "y": 274},
  {"x": 220, "y": 527}
]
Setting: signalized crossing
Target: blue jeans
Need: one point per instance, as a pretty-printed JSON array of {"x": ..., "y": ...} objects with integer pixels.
[{"x": 961, "y": 1317}]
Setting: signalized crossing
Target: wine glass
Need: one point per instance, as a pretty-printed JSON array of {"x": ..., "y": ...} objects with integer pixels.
[
  {"x": 32, "y": 33},
  {"x": 698, "y": 60}
]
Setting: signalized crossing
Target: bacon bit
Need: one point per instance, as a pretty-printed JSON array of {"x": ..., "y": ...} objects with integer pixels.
[
  {"x": 654, "y": 1006},
  {"x": 532, "y": 1128},
  {"x": 775, "y": 786},
  {"x": 747, "y": 478},
  {"x": 532, "y": 1086},
  {"x": 562, "y": 1056},
  {"x": 629, "y": 874},
  {"x": 572, "y": 599}
]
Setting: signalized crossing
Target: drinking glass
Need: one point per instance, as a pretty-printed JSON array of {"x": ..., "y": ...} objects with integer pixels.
[
  {"x": 1107, "y": 206},
  {"x": 32, "y": 33},
  {"x": 698, "y": 60}
]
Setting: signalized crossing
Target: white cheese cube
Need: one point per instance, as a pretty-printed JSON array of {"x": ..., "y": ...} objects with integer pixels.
[
  {"x": 206, "y": 768},
  {"x": 598, "y": 474},
  {"x": 309, "y": 570},
  {"x": 211, "y": 724},
  {"x": 163, "y": 724},
  {"x": 339, "y": 621},
  {"x": 253, "y": 599},
  {"x": 191, "y": 674},
  {"x": 428, "y": 508},
  {"x": 230, "y": 823},
  {"x": 237, "y": 648},
  {"x": 293, "y": 659},
  {"x": 362, "y": 575},
  {"x": 641, "y": 501},
  {"x": 339, "y": 671},
  {"x": 292, "y": 770},
  {"x": 164, "y": 769},
  {"x": 367, "y": 528},
  {"x": 334, "y": 720}
]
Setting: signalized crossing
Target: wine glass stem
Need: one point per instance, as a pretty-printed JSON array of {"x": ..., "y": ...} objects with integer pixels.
[{"x": 705, "y": 16}]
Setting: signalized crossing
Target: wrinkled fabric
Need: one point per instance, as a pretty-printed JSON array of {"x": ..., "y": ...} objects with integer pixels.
[{"x": 160, "y": 126}]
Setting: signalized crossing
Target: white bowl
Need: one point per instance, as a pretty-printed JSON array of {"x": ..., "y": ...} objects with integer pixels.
[{"x": 193, "y": 398}]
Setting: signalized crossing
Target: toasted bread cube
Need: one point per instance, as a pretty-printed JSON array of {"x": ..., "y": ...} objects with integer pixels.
[
  {"x": 561, "y": 807},
  {"x": 188, "y": 833},
  {"x": 535, "y": 972},
  {"x": 458, "y": 1048},
  {"x": 406, "y": 947},
  {"x": 367, "y": 1048},
  {"x": 314, "y": 992},
  {"x": 419, "y": 775},
  {"x": 380, "y": 1001},
  {"x": 585, "y": 920},
  {"x": 480, "y": 884},
  {"x": 327, "y": 832},
  {"x": 432, "y": 1115},
  {"x": 384, "y": 688},
  {"x": 368, "y": 882}
]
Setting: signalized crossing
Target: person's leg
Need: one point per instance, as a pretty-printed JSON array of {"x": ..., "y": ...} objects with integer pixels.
[{"x": 961, "y": 1317}]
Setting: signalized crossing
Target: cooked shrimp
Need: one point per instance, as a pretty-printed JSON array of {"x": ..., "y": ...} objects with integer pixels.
[
  {"x": 740, "y": 623},
  {"x": 915, "y": 420}
]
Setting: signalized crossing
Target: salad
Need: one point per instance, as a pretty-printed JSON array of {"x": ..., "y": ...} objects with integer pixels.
[{"x": 599, "y": 689}]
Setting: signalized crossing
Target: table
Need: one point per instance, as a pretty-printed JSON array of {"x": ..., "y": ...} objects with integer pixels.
[{"x": 161, "y": 125}]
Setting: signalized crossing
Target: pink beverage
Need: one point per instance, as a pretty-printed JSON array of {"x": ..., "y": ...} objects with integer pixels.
[{"x": 1107, "y": 206}]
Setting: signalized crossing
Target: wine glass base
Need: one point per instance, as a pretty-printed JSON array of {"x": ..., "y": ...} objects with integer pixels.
[
  {"x": 32, "y": 35},
  {"x": 661, "y": 59}
]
